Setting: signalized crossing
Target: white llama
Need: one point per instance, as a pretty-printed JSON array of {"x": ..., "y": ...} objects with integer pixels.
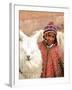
[{"x": 30, "y": 64}]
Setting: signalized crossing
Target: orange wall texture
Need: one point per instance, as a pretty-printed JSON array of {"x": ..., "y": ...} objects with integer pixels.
[{"x": 30, "y": 21}]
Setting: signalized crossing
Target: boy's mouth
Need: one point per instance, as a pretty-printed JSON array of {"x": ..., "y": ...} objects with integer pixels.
[{"x": 49, "y": 42}]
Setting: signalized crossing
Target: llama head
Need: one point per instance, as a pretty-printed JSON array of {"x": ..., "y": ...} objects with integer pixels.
[{"x": 28, "y": 46}]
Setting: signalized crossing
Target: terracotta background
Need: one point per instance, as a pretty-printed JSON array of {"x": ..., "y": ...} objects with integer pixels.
[{"x": 30, "y": 21}]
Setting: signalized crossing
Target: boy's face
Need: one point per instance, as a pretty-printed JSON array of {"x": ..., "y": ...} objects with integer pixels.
[{"x": 49, "y": 37}]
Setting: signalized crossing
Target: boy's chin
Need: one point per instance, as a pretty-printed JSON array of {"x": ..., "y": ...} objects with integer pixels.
[{"x": 49, "y": 44}]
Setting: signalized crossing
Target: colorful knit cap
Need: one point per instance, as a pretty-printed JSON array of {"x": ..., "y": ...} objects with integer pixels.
[{"x": 51, "y": 28}]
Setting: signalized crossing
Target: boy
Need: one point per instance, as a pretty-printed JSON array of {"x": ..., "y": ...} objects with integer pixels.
[{"x": 52, "y": 54}]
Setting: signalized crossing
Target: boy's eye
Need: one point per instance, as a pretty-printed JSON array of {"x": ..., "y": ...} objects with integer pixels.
[
  {"x": 52, "y": 36},
  {"x": 46, "y": 35}
]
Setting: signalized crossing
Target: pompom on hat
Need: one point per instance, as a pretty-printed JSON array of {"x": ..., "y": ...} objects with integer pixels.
[{"x": 51, "y": 28}]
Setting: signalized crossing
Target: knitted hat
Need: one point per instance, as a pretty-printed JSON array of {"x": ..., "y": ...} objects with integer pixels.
[{"x": 51, "y": 28}]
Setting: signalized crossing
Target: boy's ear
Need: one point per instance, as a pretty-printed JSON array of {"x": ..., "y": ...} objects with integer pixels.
[{"x": 44, "y": 37}]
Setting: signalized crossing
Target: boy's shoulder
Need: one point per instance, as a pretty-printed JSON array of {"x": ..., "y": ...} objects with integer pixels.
[
  {"x": 55, "y": 48},
  {"x": 40, "y": 44}
]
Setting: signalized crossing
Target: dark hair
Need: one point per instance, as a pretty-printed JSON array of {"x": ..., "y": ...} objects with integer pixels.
[{"x": 55, "y": 41}]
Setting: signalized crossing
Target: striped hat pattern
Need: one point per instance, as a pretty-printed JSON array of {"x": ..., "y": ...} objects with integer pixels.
[{"x": 50, "y": 28}]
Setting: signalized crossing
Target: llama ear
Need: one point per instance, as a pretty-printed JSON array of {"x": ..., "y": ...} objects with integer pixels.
[
  {"x": 38, "y": 35},
  {"x": 22, "y": 35}
]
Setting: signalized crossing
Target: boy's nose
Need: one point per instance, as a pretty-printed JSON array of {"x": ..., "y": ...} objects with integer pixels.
[{"x": 49, "y": 38}]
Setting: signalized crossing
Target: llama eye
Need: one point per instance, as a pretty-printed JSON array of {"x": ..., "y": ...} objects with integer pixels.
[
  {"x": 20, "y": 39},
  {"x": 32, "y": 52}
]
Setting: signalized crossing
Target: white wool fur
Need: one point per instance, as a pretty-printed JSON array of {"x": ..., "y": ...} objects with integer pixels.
[
  {"x": 60, "y": 39},
  {"x": 31, "y": 68}
]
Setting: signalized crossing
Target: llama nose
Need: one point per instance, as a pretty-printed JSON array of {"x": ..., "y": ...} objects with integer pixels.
[{"x": 28, "y": 57}]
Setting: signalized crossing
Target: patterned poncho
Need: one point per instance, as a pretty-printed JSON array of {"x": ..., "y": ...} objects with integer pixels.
[{"x": 53, "y": 59}]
